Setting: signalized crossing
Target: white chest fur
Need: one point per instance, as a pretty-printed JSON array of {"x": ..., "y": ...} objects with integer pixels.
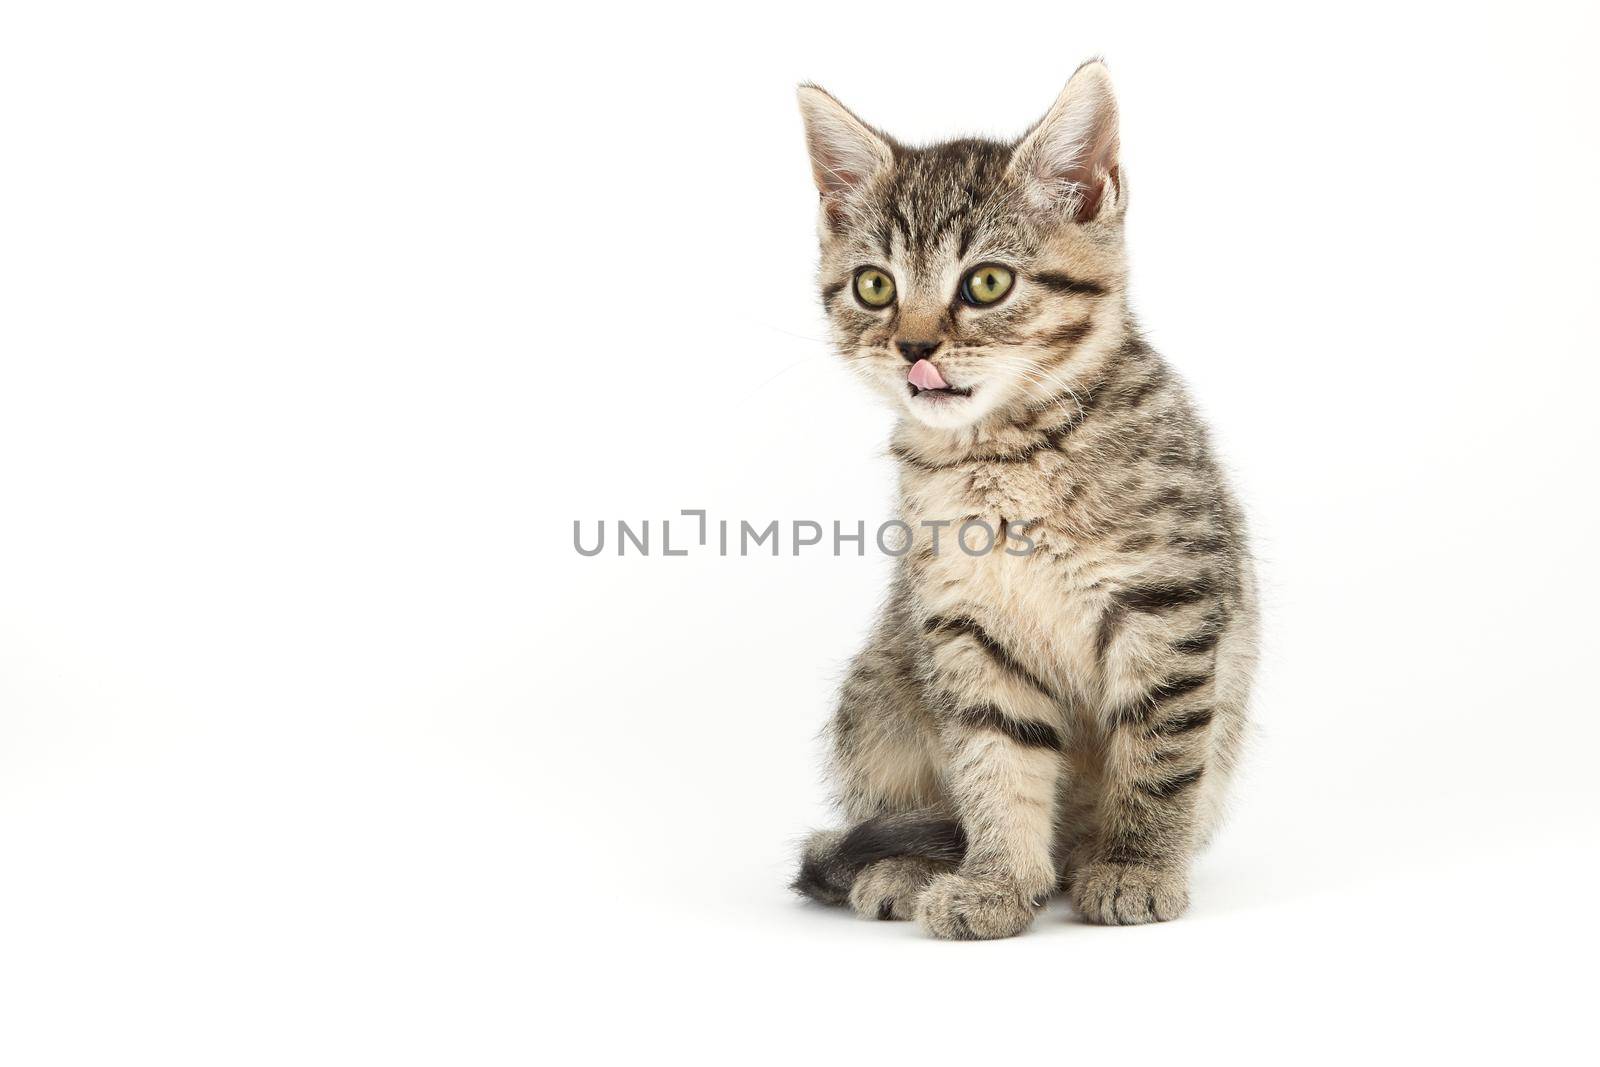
[{"x": 993, "y": 544}]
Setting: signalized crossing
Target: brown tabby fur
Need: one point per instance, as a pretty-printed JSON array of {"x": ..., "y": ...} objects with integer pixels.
[{"x": 1067, "y": 716}]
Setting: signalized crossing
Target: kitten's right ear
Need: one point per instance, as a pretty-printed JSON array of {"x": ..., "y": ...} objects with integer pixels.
[{"x": 845, "y": 152}]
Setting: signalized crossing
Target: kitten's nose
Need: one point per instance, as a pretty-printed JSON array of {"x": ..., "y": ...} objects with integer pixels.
[{"x": 915, "y": 350}]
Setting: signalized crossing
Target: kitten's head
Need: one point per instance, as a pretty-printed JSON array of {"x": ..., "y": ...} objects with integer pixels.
[{"x": 968, "y": 280}]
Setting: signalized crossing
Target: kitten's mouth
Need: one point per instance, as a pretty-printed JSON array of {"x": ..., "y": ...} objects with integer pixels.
[
  {"x": 924, "y": 380},
  {"x": 938, "y": 394}
]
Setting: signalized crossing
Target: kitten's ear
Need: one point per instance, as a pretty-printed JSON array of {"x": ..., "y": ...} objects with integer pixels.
[
  {"x": 845, "y": 152},
  {"x": 1068, "y": 162}
]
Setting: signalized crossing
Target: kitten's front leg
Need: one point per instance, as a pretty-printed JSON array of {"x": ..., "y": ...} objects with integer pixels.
[
  {"x": 1000, "y": 724},
  {"x": 1160, "y": 718}
]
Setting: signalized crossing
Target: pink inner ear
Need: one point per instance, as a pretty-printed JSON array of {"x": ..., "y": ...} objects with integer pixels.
[
  {"x": 1093, "y": 192},
  {"x": 1089, "y": 203},
  {"x": 835, "y": 185},
  {"x": 833, "y": 209},
  {"x": 841, "y": 179}
]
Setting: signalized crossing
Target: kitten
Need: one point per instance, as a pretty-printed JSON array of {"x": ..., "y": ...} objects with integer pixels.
[{"x": 1025, "y": 721}]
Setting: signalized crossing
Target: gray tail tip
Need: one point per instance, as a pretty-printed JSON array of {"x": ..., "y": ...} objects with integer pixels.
[
  {"x": 826, "y": 872},
  {"x": 818, "y": 883}
]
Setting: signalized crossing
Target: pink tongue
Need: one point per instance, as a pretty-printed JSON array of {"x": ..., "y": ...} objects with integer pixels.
[{"x": 925, "y": 375}]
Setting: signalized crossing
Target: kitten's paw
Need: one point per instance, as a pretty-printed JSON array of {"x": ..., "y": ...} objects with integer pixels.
[
  {"x": 959, "y": 907},
  {"x": 889, "y": 888},
  {"x": 1127, "y": 895}
]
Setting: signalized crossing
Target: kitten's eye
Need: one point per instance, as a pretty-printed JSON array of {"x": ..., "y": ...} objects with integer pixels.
[
  {"x": 986, "y": 284},
  {"x": 874, "y": 288}
]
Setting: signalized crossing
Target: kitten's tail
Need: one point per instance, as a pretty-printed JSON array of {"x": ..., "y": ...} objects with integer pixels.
[{"x": 832, "y": 858}]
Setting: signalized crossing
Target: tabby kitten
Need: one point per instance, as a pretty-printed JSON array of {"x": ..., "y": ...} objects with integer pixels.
[{"x": 1024, "y": 721}]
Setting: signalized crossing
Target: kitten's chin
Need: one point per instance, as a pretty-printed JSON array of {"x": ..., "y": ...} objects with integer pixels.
[{"x": 948, "y": 409}]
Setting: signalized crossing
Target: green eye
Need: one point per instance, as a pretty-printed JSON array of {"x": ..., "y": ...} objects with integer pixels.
[
  {"x": 986, "y": 284},
  {"x": 874, "y": 288}
]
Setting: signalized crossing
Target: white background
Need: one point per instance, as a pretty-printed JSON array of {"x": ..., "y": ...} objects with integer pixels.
[{"x": 320, "y": 324}]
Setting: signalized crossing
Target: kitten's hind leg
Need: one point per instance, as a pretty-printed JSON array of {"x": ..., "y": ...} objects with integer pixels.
[
  {"x": 885, "y": 749},
  {"x": 889, "y": 888}
]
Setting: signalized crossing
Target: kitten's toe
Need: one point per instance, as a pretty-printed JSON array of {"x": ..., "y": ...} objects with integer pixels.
[
  {"x": 959, "y": 907},
  {"x": 889, "y": 888},
  {"x": 1128, "y": 894}
]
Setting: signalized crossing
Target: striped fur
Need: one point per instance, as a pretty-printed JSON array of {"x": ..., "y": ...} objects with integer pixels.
[{"x": 1065, "y": 718}]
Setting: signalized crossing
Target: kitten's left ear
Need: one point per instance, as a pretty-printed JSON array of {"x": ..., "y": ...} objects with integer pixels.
[{"x": 1068, "y": 162}]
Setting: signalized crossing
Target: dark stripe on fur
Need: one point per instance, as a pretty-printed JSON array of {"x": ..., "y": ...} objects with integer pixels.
[
  {"x": 1110, "y": 621},
  {"x": 1142, "y": 390},
  {"x": 1165, "y": 596},
  {"x": 1167, "y": 788},
  {"x": 1031, "y": 734},
  {"x": 1067, "y": 336},
  {"x": 1190, "y": 720},
  {"x": 1203, "y": 641},
  {"x": 1176, "y": 687},
  {"x": 1201, "y": 546},
  {"x": 1065, "y": 283},
  {"x": 962, "y": 625},
  {"x": 1138, "y": 713},
  {"x": 1129, "y": 851}
]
